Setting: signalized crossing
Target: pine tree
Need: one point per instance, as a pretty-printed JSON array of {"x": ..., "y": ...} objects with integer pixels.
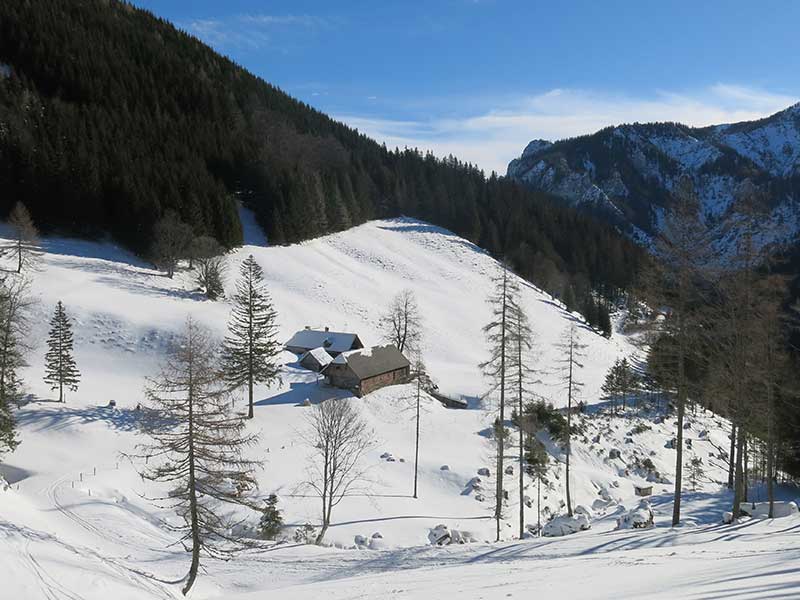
[
  {"x": 60, "y": 368},
  {"x": 250, "y": 349},
  {"x": 201, "y": 454},
  {"x": 573, "y": 350}
]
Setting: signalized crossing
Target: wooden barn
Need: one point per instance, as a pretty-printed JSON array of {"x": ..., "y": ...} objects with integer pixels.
[
  {"x": 333, "y": 342},
  {"x": 364, "y": 371},
  {"x": 316, "y": 360}
]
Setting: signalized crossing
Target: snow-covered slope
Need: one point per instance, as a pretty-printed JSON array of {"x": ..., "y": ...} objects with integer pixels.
[
  {"x": 74, "y": 523},
  {"x": 629, "y": 172}
]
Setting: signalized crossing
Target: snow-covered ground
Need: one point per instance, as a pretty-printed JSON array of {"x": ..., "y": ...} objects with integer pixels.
[{"x": 74, "y": 524}]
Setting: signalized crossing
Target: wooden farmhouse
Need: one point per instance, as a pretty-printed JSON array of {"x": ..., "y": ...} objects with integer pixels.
[
  {"x": 364, "y": 371},
  {"x": 333, "y": 342}
]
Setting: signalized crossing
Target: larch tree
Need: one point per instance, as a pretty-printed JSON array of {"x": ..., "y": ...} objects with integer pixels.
[
  {"x": 60, "y": 368},
  {"x": 25, "y": 247},
  {"x": 523, "y": 376},
  {"x": 573, "y": 351},
  {"x": 15, "y": 305},
  {"x": 338, "y": 437},
  {"x": 498, "y": 334},
  {"x": 197, "y": 447},
  {"x": 684, "y": 252},
  {"x": 250, "y": 350},
  {"x": 402, "y": 324}
]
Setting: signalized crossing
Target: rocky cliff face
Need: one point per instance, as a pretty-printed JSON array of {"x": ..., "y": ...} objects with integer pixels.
[{"x": 629, "y": 173}]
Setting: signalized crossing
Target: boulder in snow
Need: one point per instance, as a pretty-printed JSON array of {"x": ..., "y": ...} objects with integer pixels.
[
  {"x": 361, "y": 541},
  {"x": 565, "y": 525},
  {"x": 613, "y": 453},
  {"x": 584, "y": 510},
  {"x": 485, "y": 472},
  {"x": 510, "y": 470},
  {"x": 444, "y": 468}
]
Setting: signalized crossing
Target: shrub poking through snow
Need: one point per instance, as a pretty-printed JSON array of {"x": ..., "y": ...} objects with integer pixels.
[{"x": 305, "y": 534}]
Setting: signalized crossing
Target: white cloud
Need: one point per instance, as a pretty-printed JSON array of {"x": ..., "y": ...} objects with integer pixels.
[
  {"x": 247, "y": 31},
  {"x": 491, "y": 139}
]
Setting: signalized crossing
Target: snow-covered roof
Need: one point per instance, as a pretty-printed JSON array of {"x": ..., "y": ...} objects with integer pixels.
[
  {"x": 370, "y": 362},
  {"x": 332, "y": 341},
  {"x": 320, "y": 355}
]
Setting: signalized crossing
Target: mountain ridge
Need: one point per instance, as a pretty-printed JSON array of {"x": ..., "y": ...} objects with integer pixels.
[{"x": 628, "y": 173}]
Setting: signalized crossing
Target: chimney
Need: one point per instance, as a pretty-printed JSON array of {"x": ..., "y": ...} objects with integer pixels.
[{"x": 326, "y": 329}]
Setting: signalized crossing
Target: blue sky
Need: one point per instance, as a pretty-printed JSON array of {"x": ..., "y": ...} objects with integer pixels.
[{"x": 480, "y": 78}]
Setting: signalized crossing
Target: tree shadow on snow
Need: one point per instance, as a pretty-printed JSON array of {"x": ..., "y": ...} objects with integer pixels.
[
  {"x": 121, "y": 419},
  {"x": 300, "y": 392}
]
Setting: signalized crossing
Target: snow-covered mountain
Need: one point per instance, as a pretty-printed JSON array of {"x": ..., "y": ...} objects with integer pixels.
[
  {"x": 74, "y": 523},
  {"x": 628, "y": 173}
]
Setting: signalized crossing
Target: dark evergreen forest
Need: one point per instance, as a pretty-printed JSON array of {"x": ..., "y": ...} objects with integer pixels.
[{"x": 110, "y": 117}]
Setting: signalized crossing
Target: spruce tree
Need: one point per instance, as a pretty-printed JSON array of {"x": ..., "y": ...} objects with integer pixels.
[
  {"x": 250, "y": 349},
  {"x": 60, "y": 368}
]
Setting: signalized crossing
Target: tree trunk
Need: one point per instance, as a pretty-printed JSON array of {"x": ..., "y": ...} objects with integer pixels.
[
  {"x": 745, "y": 470},
  {"x": 569, "y": 429},
  {"x": 521, "y": 440},
  {"x": 681, "y": 398},
  {"x": 501, "y": 437},
  {"x": 732, "y": 456},
  {"x": 416, "y": 443},
  {"x": 192, "y": 500},
  {"x": 250, "y": 351},
  {"x": 738, "y": 487}
]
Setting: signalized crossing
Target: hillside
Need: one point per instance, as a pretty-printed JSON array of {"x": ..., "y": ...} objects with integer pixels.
[
  {"x": 70, "y": 533},
  {"x": 629, "y": 173},
  {"x": 143, "y": 121}
]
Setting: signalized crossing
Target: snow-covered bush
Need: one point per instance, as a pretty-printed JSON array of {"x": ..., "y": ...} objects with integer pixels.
[
  {"x": 565, "y": 525},
  {"x": 640, "y": 517}
]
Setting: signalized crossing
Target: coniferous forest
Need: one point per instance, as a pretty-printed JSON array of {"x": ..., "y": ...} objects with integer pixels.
[{"x": 111, "y": 118}]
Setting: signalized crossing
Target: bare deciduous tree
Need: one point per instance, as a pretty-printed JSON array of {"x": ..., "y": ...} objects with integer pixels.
[
  {"x": 339, "y": 437},
  {"x": 171, "y": 238},
  {"x": 15, "y": 303},
  {"x": 402, "y": 323},
  {"x": 197, "y": 448},
  {"x": 25, "y": 246}
]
